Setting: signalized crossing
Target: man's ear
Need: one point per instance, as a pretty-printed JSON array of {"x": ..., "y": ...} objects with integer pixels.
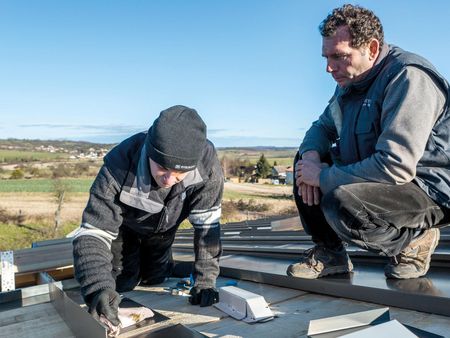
[{"x": 374, "y": 49}]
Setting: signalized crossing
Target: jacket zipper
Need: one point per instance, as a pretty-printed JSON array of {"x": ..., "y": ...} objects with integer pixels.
[{"x": 163, "y": 219}]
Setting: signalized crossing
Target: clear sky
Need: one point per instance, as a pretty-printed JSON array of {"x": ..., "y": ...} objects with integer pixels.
[{"x": 102, "y": 70}]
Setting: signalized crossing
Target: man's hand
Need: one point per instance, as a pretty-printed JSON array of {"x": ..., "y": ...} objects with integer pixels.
[
  {"x": 204, "y": 297},
  {"x": 106, "y": 302},
  {"x": 307, "y": 176},
  {"x": 310, "y": 195},
  {"x": 308, "y": 172}
]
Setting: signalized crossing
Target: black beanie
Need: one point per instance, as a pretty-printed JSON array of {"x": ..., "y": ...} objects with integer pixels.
[{"x": 177, "y": 138}]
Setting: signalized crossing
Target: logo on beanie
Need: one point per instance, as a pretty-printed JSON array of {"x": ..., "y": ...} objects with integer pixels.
[{"x": 183, "y": 167}]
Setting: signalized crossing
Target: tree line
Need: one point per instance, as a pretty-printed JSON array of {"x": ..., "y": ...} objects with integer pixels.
[{"x": 245, "y": 170}]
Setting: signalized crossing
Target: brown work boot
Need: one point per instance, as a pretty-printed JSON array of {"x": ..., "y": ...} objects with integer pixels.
[
  {"x": 414, "y": 260},
  {"x": 320, "y": 261}
]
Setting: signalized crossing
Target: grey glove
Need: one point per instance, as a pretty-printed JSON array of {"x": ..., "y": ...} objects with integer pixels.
[
  {"x": 105, "y": 302},
  {"x": 204, "y": 297}
]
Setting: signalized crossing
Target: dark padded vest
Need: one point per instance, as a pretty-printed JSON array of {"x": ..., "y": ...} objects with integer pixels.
[{"x": 362, "y": 105}]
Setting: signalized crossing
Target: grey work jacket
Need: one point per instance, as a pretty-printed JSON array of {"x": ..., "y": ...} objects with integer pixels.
[
  {"x": 122, "y": 195},
  {"x": 392, "y": 127}
]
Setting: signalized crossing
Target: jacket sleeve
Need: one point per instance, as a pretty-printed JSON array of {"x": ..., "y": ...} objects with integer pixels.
[
  {"x": 204, "y": 216},
  {"x": 323, "y": 132},
  {"x": 412, "y": 104},
  {"x": 92, "y": 244}
]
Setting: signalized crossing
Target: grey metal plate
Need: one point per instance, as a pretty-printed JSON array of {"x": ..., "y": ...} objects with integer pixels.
[
  {"x": 178, "y": 331},
  {"x": 435, "y": 283},
  {"x": 367, "y": 283},
  {"x": 77, "y": 319}
]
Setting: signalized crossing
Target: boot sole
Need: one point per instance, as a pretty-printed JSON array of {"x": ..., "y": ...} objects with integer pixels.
[{"x": 335, "y": 270}]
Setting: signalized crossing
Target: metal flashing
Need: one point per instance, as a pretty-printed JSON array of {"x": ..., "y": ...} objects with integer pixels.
[
  {"x": 80, "y": 322},
  {"x": 338, "y": 325},
  {"x": 391, "y": 328}
]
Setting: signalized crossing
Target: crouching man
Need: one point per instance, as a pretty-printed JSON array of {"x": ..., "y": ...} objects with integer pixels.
[
  {"x": 386, "y": 131},
  {"x": 147, "y": 186}
]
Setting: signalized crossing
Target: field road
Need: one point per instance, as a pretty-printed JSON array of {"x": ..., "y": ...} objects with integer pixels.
[
  {"x": 36, "y": 205},
  {"x": 254, "y": 188}
]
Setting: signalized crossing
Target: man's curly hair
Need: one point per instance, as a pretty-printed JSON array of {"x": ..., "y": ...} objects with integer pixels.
[{"x": 362, "y": 23}]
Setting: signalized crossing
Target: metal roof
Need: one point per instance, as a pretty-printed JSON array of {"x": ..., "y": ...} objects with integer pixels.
[{"x": 256, "y": 255}]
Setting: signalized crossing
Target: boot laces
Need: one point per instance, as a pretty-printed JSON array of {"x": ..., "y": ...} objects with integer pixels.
[{"x": 315, "y": 256}]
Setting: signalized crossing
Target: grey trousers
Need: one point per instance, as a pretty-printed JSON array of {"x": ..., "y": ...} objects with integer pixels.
[{"x": 380, "y": 218}]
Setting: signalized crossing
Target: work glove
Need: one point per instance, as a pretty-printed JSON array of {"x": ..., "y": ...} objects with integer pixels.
[
  {"x": 105, "y": 302},
  {"x": 204, "y": 297}
]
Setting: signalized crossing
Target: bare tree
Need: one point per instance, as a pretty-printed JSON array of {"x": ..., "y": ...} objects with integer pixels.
[
  {"x": 224, "y": 162},
  {"x": 60, "y": 188}
]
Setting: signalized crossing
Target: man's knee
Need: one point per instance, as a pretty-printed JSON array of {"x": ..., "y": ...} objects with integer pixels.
[
  {"x": 126, "y": 282},
  {"x": 339, "y": 210},
  {"x": 353, "y": 222},
  {"x": 332, "y": 202},
  {"x": 152, "y": 281}
]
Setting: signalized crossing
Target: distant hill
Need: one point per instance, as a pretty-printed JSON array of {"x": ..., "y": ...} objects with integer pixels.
[
  {"x": 257, "y": 149},
  {"x": 24, "y": 150},
  {"x": 36, "y": 145},
  {"x": 31, "y": 145}
]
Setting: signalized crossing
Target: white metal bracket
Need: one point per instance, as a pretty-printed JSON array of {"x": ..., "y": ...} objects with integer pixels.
[
  {"x": 7, "y": 271},
  {"x": 243, "y": 305}
]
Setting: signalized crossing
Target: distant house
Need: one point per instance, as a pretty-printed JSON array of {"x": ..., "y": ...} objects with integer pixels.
[{"x": 282, "y": 174}]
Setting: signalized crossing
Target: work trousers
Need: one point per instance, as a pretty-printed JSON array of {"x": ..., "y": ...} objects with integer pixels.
[
  {"x": 380, "y": 218},
  {"x": 137, "y": 258}
]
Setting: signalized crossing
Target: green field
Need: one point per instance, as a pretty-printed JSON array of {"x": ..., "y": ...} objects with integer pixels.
[
  {"x": 286, "y": 161},
  {"x": 83, "y": 185},
  {"x": 44, "y": 185},
  {"x": 37, "y": 206},
  {"x": 14, "y": 237},
  {"x": 8, "y": 156}
]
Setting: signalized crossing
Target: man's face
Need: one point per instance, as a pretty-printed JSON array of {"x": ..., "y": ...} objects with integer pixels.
[
  {"x": 345, "y": 63},
  {"x": 166, "y": 178}
]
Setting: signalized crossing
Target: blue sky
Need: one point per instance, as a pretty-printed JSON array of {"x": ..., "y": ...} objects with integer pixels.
[{"x": 102, "y": 70}]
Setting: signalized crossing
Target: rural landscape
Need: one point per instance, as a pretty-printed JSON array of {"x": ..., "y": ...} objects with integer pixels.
[{"x": 45, "y": 186}]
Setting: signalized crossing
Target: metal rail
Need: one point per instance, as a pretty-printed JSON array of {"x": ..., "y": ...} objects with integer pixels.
[{"x": 262, "y": 256}]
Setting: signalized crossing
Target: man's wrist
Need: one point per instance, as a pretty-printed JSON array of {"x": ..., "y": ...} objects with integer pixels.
[{"x": 312, "y": 155}]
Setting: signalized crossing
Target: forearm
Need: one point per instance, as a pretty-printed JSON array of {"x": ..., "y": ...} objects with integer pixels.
[
  {"x": 100, "y": 225},
  {"x": 321, "y": 135},
  {"x": 208, "y": 248},
  {"x": 92, "y": 265},
  {"x": 312, "y": 155}
]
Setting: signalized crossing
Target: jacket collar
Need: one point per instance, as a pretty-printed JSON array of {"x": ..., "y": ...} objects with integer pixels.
[
  {"x": 138, "y": 191},
  {"x": 370, "y": 77}
]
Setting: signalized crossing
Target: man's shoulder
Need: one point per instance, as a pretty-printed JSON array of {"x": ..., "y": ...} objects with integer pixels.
[
  {"x": 126, "y": 149},
  {"x": 209, "y": 150},
  {"x": 119, "y": 160},
  {"x": 404, "y": 58},
  {"x": 401, "y": 60},
  {"x": 209, "y": 163}
]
